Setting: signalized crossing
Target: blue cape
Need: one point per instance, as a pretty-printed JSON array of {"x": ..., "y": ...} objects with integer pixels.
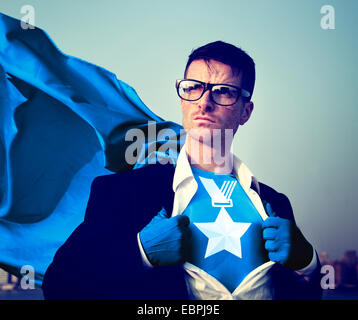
[{"x": 63, "y": 122}]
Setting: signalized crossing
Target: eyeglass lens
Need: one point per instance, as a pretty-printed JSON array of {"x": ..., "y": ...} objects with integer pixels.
[{"x": 221, "y": 94}]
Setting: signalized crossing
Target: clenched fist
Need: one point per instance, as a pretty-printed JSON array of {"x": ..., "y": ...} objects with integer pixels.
[
  {"x": 166, "y": 240},
  {"x": 285, "y": 243}
]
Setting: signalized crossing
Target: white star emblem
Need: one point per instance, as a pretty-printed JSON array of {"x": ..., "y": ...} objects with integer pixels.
[{"x": 223, "y": 234}]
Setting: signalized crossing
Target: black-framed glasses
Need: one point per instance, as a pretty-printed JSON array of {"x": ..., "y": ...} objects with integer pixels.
[{"x": 221, "y": 94}]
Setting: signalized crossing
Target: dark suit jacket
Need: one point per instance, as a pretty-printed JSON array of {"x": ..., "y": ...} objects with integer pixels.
[{"x": 101, "y": 258}]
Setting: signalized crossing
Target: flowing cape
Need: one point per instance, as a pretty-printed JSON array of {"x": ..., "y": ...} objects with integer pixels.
[{"x": 63, "y": 121}]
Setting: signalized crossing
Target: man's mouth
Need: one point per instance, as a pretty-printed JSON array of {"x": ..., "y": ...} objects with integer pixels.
[{"x": 204, "y": 119}]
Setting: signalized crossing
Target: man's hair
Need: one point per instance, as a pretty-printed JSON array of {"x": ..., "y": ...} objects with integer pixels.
[{"x": 226, "y": 53}]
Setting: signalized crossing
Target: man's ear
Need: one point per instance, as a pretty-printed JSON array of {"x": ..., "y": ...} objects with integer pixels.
[{"x": 246, "y": 113}]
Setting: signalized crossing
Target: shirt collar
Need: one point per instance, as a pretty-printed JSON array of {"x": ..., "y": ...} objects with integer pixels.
[
  {"x": 182, "y": 169},
  {"x": 242, "y": 172}
]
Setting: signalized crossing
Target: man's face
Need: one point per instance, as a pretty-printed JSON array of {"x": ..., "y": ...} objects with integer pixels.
[{"x": 206, "y": 114}]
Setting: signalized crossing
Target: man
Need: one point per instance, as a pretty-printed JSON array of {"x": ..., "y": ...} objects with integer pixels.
[{"x": 202, "y": 221}]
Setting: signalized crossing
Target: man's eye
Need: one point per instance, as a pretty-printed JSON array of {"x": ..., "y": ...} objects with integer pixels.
[
  {"x": 192, "y": 88},
  {"x": 222, "y": 90}
]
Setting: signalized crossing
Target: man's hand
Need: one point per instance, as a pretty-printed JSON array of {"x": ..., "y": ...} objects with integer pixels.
[
  {"x": 166, "y": 240},
  {"x": 285, "y": 243}
]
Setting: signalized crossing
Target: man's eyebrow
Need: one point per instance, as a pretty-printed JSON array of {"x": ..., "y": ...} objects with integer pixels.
[{"x": 231, "y": 83}]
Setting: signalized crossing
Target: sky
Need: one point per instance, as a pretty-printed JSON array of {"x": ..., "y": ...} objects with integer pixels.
[{"x": 300, "y": 139}]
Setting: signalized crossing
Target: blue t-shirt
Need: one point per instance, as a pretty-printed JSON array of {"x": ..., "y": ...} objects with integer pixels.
[{"x": 226, "y": 229}]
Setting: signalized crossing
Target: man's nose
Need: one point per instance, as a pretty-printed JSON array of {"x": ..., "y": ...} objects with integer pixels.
[{"x": 205, "y": 103}]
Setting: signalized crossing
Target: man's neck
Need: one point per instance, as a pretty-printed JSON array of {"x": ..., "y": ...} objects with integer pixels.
[{"x": 205, "y": 157}]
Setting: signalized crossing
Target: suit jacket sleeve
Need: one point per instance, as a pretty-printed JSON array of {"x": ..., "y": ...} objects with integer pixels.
[
  {"x": 101, "y": 258},
  {"x": 288, "y": 283}
]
